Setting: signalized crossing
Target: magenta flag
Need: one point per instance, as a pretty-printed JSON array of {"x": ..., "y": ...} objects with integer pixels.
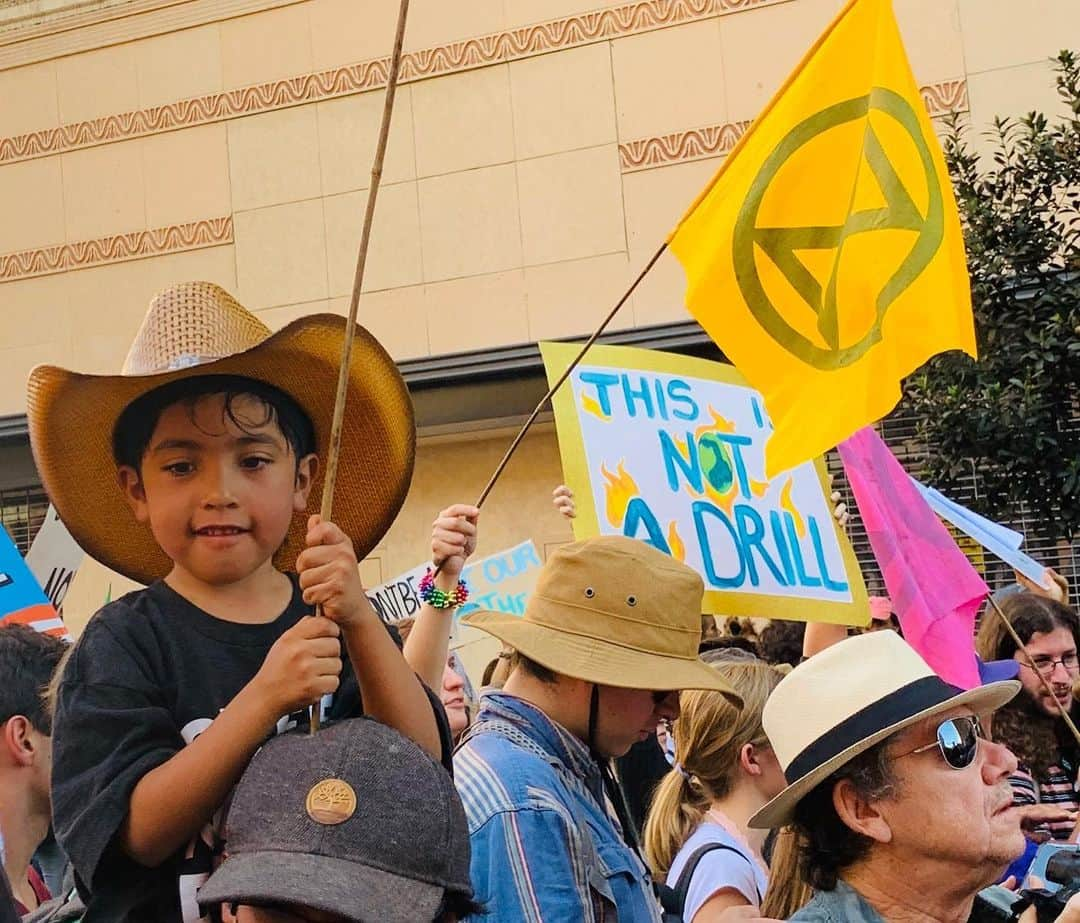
[{"x": 936, "y": 593}]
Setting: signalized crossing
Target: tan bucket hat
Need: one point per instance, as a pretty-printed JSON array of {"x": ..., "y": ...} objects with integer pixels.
[
  {"x": 616, "y": 612},
  {"x": 849, "y": 697},
  {"x": 195, "y": 329}
]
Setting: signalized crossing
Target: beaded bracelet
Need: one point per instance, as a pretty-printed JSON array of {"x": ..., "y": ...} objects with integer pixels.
[{"x": 440, "y": 599}]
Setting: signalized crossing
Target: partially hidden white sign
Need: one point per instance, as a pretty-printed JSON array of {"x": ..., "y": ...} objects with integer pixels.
[
  {"x": 500, "y": 582},
  {"x": 53, "y": 558}
]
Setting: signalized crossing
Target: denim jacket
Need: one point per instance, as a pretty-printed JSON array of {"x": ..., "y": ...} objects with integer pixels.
[
  {"x": 545, "y": 848},
  {"x": 841, "y": 905}
]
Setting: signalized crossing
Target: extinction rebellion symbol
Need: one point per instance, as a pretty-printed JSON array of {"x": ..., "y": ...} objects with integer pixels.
[{"x": 782, "y": 244}]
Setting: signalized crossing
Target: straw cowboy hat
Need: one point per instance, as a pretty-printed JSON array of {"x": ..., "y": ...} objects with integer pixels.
[
  {"x": 849, "y": 697},
  {"x": 196, "y": 329},
  {"x": 615, "y": 612}
]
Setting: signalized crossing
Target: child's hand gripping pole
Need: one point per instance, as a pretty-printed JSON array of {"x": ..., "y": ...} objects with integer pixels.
[{"x": 334, "y": 451}]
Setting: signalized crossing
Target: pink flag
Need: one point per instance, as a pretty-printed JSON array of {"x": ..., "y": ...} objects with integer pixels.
[{"x": 935, "y": 590}]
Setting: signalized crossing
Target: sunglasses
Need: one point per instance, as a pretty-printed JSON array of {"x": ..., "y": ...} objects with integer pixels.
[{"x": 958, "y": 741}]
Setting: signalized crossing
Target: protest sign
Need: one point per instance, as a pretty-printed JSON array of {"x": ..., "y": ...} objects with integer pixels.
[
  {"x": 500, "y": 582},
  {"x": 21, "y": 598},
  {"x": 670, "y": 449},
  {"x": 53, "y": 558}
]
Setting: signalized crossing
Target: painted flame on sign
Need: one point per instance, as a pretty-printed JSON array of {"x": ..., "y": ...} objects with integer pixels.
[
  {"x": 786, "y": 503},
  {"x": 720, "y": 424},
  {"x": 590, "y": 405},
  {"x": 620, "y": 490},
  {"x": 675, "y": 542}
]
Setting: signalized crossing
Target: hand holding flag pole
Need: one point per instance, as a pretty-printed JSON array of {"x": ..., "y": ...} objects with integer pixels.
[
  {"x": 334, "y": 451},
  {"x": 527, "y": 425}
]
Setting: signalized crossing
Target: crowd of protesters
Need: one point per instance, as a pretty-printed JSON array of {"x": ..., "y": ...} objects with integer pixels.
[{"x": 618, "y": 763}]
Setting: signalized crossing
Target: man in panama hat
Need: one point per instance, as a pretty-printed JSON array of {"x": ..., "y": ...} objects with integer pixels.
[
  {"x": 190, "y": 472},
  {"x": 609, "y": 637},
  {"x": 902, "y": 800}
]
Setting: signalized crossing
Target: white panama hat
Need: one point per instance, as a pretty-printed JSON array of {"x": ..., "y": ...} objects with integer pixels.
[{"x": 849, "y": 697}]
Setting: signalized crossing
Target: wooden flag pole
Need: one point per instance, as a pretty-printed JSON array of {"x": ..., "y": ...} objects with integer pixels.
[
  {"x": 566, "y": 374},
  {"x": 334, "y": 451},
  {"x": 558, "y": 384},
  {"x": 1031, "y": 664}
]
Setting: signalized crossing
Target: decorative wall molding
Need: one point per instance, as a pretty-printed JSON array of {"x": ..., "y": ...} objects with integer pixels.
[
  {"x": 692, "y": 144},
  {"x": 946, "y": 97},
  {"x": 195, "y": 235},
  {"x": 715, "y": 140},
  {"x": 454, "y": 57},
  {"x": 78, "y": 27},
  {"x": 32, "y": 15}
]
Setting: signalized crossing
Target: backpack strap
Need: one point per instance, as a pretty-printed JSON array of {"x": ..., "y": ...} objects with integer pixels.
[{"x": 674, "y": 900}]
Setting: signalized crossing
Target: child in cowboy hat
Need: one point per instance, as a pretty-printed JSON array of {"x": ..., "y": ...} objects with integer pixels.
[
  {"x": 189, "y": 472},
  {"x": 609, "y": 637}
]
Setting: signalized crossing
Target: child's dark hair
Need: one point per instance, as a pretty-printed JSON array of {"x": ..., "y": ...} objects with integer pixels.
[
  {"x": 135, "y": 426},
  {"x": 27, "y": 663}
]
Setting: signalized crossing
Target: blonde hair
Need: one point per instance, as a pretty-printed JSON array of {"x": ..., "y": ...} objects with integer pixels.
[
  {"x": 788, "y": 891},
  {"x": 709, "y": 733}
]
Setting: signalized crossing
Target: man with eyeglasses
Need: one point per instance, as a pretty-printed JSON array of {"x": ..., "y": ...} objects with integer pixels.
[
  {"x": 903, "y": 805},
  {"x": 1031, "y": 725}
]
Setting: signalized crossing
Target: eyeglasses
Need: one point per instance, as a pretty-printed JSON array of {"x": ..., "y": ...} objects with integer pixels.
[
  {"x": 1047, "y": 665},
  {"x": 958, "y": 740}
]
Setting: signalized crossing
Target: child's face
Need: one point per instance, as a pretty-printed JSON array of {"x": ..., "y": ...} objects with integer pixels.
[{"x": 219, "y": 499}]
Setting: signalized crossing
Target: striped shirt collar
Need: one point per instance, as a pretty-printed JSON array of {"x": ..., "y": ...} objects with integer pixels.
[{"x": 549, "y": 735}]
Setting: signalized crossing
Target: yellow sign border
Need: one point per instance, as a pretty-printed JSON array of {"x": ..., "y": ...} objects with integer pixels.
[{"x": 557, "y": 356}]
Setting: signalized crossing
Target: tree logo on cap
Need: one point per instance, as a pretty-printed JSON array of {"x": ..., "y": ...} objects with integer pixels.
[
  {"x": 331, "y": 802},
  {"x": 795, "y": 287}
]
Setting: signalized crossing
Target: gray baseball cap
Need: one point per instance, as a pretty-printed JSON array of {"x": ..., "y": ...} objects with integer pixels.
[{"x": 355, "y": 820}]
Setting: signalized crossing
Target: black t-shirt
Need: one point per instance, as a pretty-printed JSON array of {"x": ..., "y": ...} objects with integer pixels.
[
  {"x": 148, "y": 675},
  {"x": 7, "y": 902}
]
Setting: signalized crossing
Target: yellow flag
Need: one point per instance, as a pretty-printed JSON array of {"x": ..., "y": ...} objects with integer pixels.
[{"x": 825, "y": 258}]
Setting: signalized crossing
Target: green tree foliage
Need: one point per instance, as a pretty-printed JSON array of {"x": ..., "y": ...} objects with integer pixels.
[{"x": 1015, "y": 414}]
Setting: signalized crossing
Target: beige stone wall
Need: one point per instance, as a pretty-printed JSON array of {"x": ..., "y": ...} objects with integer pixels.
[
  {"x": 539, "y": 153},
  {"x": 541, "y": 150}
]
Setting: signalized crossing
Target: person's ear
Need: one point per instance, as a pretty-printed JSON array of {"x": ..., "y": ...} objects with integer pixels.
[
  {"x": 306, "y": 469},
  {"x": 748, "y": 760},
  {"x": 859, "y": 814},
  {"x": 18, "y": 740},
  {"x": 134, "y": 492}
]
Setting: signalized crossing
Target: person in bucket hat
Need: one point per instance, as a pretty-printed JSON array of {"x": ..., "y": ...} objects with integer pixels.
[
  {"x": 191, "y": 471},
  {"x": 609, "y": 637},
  {"x": 354, "y": 825},
  {"x": 902, "y": 801}
]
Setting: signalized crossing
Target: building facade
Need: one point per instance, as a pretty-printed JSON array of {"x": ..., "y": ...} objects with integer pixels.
[{"x": 539, "y": 153}]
